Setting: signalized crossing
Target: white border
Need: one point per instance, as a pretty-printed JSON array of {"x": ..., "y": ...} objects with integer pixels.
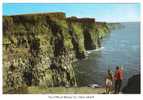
[{"x": 96, "y": 96}]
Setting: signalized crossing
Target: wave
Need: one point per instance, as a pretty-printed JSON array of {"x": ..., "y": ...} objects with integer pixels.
[{"x": 90, "y": 51}]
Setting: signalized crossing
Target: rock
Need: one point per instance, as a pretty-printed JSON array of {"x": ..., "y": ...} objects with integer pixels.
[{"x": 133, "y": 85}]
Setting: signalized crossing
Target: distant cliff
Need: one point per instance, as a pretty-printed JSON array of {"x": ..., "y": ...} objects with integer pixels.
[{"x": 38, "y": 49}]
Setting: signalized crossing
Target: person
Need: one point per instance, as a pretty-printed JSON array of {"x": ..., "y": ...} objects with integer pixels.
[
  {"x": 118, "y": 77},
  {"x": 109, "y": 82}
]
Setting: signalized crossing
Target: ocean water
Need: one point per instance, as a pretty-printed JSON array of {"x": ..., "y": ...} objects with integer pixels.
[{"x": 121, "y": 47}]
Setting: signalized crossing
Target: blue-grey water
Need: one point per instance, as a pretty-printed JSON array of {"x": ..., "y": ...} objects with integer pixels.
[{"x": 121, "y": 47}]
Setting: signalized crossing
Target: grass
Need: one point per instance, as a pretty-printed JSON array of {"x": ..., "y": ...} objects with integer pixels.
[
  {"x": 64, "y": 90},
  {"x": 56, "y": 90}
]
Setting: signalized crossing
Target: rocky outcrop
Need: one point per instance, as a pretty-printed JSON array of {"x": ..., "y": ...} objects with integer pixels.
[
  {"x": 133, "y": 85},
  {"x": 39, "y": 49}
]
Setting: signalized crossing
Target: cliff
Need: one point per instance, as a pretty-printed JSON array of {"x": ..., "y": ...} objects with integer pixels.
[
  {"x": 39, "y": 49},
  {"x": 86, "y": 27}
]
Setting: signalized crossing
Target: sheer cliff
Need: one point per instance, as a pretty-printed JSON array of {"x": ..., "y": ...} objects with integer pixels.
[{"x": 39, "y": 49}]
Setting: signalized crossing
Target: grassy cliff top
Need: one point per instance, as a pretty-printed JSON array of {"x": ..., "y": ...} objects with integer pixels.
[{"x": 57, "y": 15}]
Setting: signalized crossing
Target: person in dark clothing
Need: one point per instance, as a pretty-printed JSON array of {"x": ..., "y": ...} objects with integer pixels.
[{"x": 118, "y": 79}]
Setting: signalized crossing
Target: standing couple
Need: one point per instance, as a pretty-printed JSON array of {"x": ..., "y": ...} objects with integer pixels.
[{"x": 118, "y": 77}]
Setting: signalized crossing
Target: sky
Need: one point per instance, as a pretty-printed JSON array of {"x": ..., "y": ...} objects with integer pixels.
[{"x": 107, "y": 12}]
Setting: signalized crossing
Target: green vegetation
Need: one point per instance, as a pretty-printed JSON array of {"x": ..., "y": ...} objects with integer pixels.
[
  {"x": 39, "y": 49},
  {"x": 61, "y": 90}
]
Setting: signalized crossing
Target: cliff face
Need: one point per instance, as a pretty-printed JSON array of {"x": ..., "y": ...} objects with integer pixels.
[
  {"x": 88, "y": 30},
  {"x": 38, "y": 49}
]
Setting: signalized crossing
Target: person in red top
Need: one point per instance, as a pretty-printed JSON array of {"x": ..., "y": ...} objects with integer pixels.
[{"x": 118, "y": 79}]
